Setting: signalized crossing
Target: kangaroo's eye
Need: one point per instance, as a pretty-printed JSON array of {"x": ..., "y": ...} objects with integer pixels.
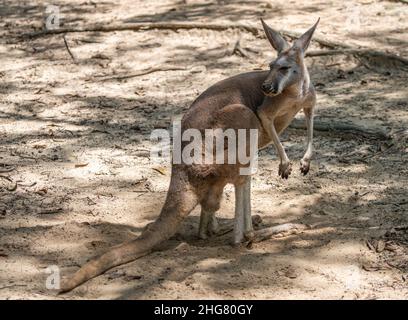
[{"x": 284, "y": 69}]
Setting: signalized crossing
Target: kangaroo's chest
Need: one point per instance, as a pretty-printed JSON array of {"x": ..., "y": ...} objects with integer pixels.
[
  {"x": 287, "y": 110},
  {"x": 280, "y": 113}
]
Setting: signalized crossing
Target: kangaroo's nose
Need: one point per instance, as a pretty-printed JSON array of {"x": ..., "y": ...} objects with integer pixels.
[{"x": 266, "y": 87}]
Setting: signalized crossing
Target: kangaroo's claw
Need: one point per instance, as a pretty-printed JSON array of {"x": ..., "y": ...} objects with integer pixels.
[
  {"x": 304, "y": 166},
  {"x": 285, "y": 169}
]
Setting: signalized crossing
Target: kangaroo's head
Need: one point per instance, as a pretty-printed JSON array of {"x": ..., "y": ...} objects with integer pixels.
[{"x": 288, "y": 70}]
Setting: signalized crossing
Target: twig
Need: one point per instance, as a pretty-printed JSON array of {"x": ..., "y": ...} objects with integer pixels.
[
  {"x": 369, "y": 156},
  {"x": 68, "y": 49},
  {"x": 7, "y": 178},
  {"x": 142, "y": 73},
  {"x": 342, "y": 127},
  {"x": 100, "y": 131},
  {"x": 50, "y": 211},
  {"x": 238, "y": 49},
  {"x": 28, "y": 185},
  {"x": 12, "y": 286}
]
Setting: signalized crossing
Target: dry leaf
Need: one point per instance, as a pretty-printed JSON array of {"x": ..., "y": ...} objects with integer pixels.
[
  {"x": 380, "y": 246},
  {"x": 391, "y": 247},
  {"x": 80, "y": 165},
  {"x": 160, "y": 170},
  {"x": 291, "y": 274},
  {"x": 373, "y": 266},
  {"x": 41, "y": 191}
]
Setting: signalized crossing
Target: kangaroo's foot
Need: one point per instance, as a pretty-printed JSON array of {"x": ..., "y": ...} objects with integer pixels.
[
  {"x": 213, "y": 226},
  {"x": 304, "y": 166},
  {"x": 285, "y": 169},
  {"x": 228, "y": 226},
  {"x": 208, "y": 225}
]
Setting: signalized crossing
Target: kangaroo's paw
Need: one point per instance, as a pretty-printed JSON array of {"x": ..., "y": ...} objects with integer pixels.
[
  {"x": 285, "y": 169},
  {"x": 304, "y": 166}
]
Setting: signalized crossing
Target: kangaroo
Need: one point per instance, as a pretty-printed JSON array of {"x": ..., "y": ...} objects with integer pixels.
[{"x": 263, "y": 100}]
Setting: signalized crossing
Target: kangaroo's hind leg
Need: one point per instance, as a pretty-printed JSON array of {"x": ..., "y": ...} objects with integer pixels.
[
  {"x": 243, "y": 220},
  {"x": 209, "y": 206},
  {"x": 248, "y": 228}
]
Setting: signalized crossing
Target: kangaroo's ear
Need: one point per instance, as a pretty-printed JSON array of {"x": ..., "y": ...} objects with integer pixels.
[
  {"x": 274, "y": 37},
  {"x": 304, "y": 41}
]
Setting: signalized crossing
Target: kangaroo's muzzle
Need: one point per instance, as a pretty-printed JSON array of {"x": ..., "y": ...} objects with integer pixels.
[{"x": 270, "y": 89}]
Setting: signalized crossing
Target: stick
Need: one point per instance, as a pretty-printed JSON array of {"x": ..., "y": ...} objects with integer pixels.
[
  {"x": 281, "y": 230},
  {"x": 358, "y": 52},
  {"x": 12, "y": 286},
  {"x": 143, "y": 26},
  {"x": 343, "y": 127},
  {"x": 69, "y": 51},
  {"x": 178, "y": 26},
  {"x": 142, "y": 73},
  {"x": 217, "y": 27}
]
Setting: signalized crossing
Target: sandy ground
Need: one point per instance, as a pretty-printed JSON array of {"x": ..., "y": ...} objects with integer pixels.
[{"x": 77, "y": 150}]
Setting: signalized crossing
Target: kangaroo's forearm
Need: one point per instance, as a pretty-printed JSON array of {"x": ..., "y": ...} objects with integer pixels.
[
  {"x": 305, "y": 162},
  {"x": 309, "y": 139},
  {"x": 278, "y": 145}
]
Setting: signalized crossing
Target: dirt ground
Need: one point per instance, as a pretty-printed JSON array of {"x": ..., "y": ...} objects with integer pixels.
[{"x": 74, "y": 153}]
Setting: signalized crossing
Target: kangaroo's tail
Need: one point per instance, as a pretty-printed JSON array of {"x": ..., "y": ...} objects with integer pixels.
[{"x": 181, "y": 200}]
